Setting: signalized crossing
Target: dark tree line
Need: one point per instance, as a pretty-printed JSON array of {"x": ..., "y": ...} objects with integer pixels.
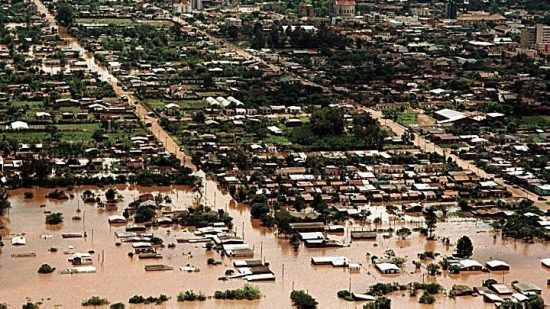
[{"x": 279, "y": 37}]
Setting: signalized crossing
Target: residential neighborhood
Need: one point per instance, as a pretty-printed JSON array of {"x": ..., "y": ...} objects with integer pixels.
[{"x": 294, "y": 154}]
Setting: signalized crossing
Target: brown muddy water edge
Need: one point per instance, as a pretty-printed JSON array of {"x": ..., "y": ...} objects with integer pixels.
[{"x": 119, "y": 277}]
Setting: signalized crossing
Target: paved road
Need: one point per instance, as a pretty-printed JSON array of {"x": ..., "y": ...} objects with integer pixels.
[{"x": 140, "y": 109}]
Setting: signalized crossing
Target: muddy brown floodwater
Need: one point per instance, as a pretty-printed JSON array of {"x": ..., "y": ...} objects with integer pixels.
[{"x": 120, "y": 277}]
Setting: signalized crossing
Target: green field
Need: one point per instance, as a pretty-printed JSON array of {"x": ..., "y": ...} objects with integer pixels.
[
  {"x": 38, "y": 105},
  {"x": 276, "y": 139},
  {"x": 408, "y": 117},
  {"x": 404, "y": 116},
  {"x": 533, "y": 122},
  {"x": 26, "y": 137},
  {"x": 184, "y": 104},
  {"x": 109, "y": 21},
  {"x": 77, "y": 132},
  {"x": 83, "y": 132}
]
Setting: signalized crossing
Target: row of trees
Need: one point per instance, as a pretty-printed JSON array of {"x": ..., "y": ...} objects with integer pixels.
[
  {"x": 293, "y": 36},
  {"x": 327, "y": 130},
  {"x": 39, "y": 173}
]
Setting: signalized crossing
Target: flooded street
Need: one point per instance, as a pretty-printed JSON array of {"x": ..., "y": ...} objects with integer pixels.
[
  {"x": 120, "y": 277},
  {"x": 409, "y": 165}
]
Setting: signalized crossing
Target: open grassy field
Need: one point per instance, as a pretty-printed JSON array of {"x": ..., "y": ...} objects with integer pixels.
[
  {"x": 77, "y": 132},
  {"x": 184, "y": 104},
  {"x": 276, "y": 139},
  {"x": 533, "y": 122},
  {"x": 38, "y": 105},
  {"x": 26, "y": 137},
  {"x": 83, "y": 132},
  {"x": 408, "y": 117},
  {"x": 109, "y": 21}
]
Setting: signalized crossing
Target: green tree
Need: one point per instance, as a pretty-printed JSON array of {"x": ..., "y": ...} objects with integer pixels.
[
  {"x": 403, "y": 232},
  {"x": 36, "y": 172},
  {"x": 207, "y": 81},
  {"x": 427, "y": 298},
  {"x": 431, "y": 221},
  {"x": 283, "y": 220},
  {"x": 454, "y": 269},
  {"x": 65, "y": 15},
  {"x": 97, "y": 135},
  {"x": 462, "y": 203},
  {"x": 327, "y": 121},
  {"x": 368, "y": 130},
  {"x": 233, "y": 32},
  {"x": 111, "y": 194},
  {"x": 46, "y": 269},
  {"x": 509, "y": 304},
  {"x": 535, "y": 302},
  {"x": 258, "y": 210},
  {"x": 117, "y": 306},
  {"x": 303, "y": 300},
  {"x": 379, "y": 303},
  {"x": 511, "y": 127},
  {"x": 4, "y": 201},
  {"x": 432, "y": 268},
  {"x": 30, "y": 305},
  {"x": 54, "y": 218},
  {"x": 176, "y": 30},
  {"x": 144, "y": 214},
  {"x": 464, "y": 247},
  {"x": 95, "y": 301},
  {"x": 199, "y": 117},
  {"x": 295, "y": 242}
]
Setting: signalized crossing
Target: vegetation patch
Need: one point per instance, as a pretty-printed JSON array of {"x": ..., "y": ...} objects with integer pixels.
[
  {"x": 191, "y": 296},
  {"x": 46, "y": 269},
  {"x": 138, "y": 299},
  {"x": 54, "y": 218},
  {"x": 249, "y": 292},
  {"x": 303, "y": 300},
  {"x": 95, "y": 301}
]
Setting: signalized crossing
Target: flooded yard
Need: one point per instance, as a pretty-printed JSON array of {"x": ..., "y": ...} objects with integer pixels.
[{"x": 119, "y": 277}]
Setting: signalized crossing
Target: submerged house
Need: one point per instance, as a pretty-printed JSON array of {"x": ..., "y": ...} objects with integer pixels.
[
  {"x": 469, "y": 265},
  {"x": 238, "y": 250},
  {"x": 526, "y": 288},
  {"x": 387, "y": 267},
  {"x": 81, "y": 259},
  {"x": 497, "y": 265}
]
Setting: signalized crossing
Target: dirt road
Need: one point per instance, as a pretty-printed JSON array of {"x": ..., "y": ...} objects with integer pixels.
[{"x": 140, "y": 109}]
